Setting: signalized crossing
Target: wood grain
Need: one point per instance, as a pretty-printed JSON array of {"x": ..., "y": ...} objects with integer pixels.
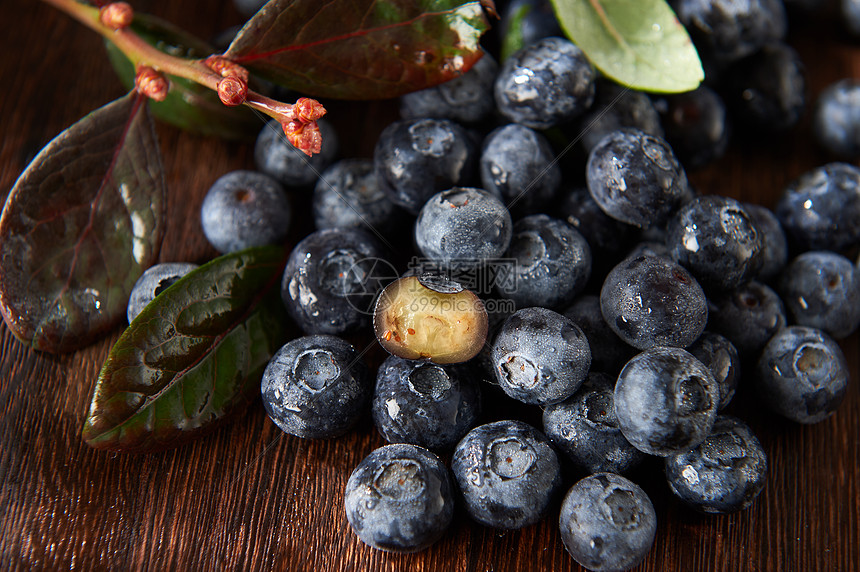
[{"x": 250, "y": 497}]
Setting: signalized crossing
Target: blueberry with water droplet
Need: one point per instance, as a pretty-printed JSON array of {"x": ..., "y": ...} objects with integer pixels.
[
  {"x": 399, "y": 499},
  {"x": 331, "y": 280},
  {"x": 552, "y": 262},
  {"x": 425, "y": 404},
  {"x": 802, "y": 374},
  {"x": 821, "y": 289},
  {"x": 415, "y": 159},
  {"x": 716, "y": 240},
  {"x": 316, "y": 387},
  {"x": 518, "y": 164},
  {"x": 636, "y": 178},
  {"x": 820, "y": 210},
  {"x": 507, "y": 472},
  {"x": 585, "y": 428},
  {"x": 651, "y": 300},
  {"x": 607, "y": 523},
  {"x": 666, "y": 401},
  {"x": 748, "y": 316},
  {"x": 525, "y": 367},
  {"x": 545, "y": 83},
  {"x": 723, "y": 474}
]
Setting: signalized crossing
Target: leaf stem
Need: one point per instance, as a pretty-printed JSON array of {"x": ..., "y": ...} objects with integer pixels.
[{"x": 143, "y": 54}]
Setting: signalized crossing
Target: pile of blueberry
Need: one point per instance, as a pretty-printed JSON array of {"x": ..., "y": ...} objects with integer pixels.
[{"x": 560, "y": 260}]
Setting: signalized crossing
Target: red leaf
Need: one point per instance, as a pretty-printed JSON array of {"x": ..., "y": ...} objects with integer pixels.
[
  {"x": 361, "y": 49},
  {"x": 80, "y": 226}
]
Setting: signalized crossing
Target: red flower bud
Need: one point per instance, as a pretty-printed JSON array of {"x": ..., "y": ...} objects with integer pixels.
[
  {"x": 232, "y": 91},
  {"x": 305, "y": 137},
  {"x": 116, "y": 15},
  {"x": 151, "y": 83}
]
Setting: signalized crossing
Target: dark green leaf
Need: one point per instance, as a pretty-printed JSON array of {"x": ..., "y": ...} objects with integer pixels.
[
  {"x": 81, "y": 224},
  {"x": 513, "y": 34},
  {"x": 638, "y": 43},
  {"x": 188, "y": 105},
  {"x": 194, "y": 355},
  {"x": 362, "y": 49}
]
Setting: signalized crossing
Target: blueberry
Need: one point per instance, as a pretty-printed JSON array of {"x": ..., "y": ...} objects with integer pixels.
[
  {"x": 248, "y": 7},
  {"x": 329, "y": 283},
  {"x": 430, "y": 317},
  {"x": 553, "y": 262},
  {"x": 650, "y": 248},
  {"x": 636, "y": 178},
  {"x": 767, "y": 90},
  {"x": 802, "y": 7},
  {"x": 722, "y": 358},
  {"x": 774, "y": 251},
  {"x": 821, "y": 289},
  {"x": 716, "y": 240},
  {"x": 153, "y": 282},
  {"x": 518, "y": 164},
  {"x": 244, "y": 209},
  {"x": 316, "y": 387},
  {"x": 850, "y": 11},
  {"x": 666, "y": 401},
  {"x": 724, "y": 474},
  {"x": 651, "y": 300},
  {"x": 425, "y": 404},
  {"x": 347, "y": 194},
  {"x": 414, "y": 159},
  {"x": 748, "y": 316},
  {"x": 277, "y": 157},
  {"x": 544, "y": 84},
  {"x": 607, "y": 523},
  {"x": 609, "y": 353},
  {"x": 604, "y": 234},
  {"x": 585, "y": 428},
  {"x": 802, "y": 374},
  {"x": 616, "y": 107},
  {"x": 727, "y": 30},
  {"x": 399, "y": 499},
  {"x": 508, "y": 474},
  {"x": 836, "y": 119},
  {"x": 467, "y": 98},
  {"x": 820, "y": 210},
  {"x": 696, "y": 125},
  {"x": 463, "y": 228},
  {"x": 540, "y": 356}
]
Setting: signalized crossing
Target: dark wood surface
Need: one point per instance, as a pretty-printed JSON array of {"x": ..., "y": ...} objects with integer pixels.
[{"x": 248, "y": 496}]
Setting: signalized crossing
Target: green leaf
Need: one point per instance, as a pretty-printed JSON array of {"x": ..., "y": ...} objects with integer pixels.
[
  {"x": 189, "y": 105},
  {"x": 363, "y": 49},
  {"x": 638, "y": 43},
  {"x": 512, "y": 41},
  {"x": 80, "y": 225},
  {"x": 193, "y": 356}
]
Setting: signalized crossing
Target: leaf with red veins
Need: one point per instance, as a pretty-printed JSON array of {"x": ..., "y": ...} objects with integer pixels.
[
  {"x": 362, "y": 49},
  {"x": 80, "y": 225}
]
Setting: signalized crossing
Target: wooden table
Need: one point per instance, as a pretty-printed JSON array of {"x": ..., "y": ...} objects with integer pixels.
[{"x": 250, "y": 497}]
